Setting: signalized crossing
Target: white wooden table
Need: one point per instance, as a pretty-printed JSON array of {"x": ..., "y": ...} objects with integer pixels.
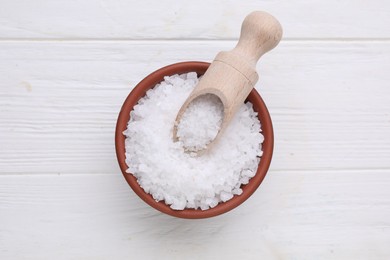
[{"x": 67, "y": 66}]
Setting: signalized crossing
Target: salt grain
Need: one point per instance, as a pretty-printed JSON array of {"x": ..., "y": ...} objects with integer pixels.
[
  {"x": 200, "y": 122},
  {"x": 166, "y": 171}
]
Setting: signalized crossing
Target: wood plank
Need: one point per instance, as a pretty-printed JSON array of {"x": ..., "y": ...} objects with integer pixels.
[
  {"x": 59, "y": 101},
  {"x": 220, "y": 19},
  {"x": 293, "y": 215}
]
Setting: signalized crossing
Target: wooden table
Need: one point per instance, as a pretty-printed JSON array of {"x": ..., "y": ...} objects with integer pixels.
[{"x": 67, "y": 66}]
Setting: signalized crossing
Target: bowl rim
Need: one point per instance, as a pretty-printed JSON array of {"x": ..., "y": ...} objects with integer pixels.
[{"x": 124, "y": 115}]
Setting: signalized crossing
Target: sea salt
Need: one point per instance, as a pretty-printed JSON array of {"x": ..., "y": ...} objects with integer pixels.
[
  {"x": 165, "y": 170},
  {"x": 200, "y": 122}
]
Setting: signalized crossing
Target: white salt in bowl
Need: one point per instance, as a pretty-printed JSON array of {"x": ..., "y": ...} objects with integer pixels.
[{"x": 124, "y": 116}]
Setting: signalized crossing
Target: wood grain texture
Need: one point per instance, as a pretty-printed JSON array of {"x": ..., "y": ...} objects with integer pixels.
[
  {"x": 67, "y": 66},
  {"x": 59, "y": 101},
  {"x": 171, "y": 19},
  {"x": 293, "y": 215}
]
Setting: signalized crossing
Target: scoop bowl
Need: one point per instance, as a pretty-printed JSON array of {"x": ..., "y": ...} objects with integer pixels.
[{"x": 124, "y": 116}]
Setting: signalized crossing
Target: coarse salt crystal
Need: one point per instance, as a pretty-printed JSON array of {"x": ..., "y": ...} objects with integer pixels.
[
  {"x": 200, "y": 122},
  {"x": 165, "y": 170}
]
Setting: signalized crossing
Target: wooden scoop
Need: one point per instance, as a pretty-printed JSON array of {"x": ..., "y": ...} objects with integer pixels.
[{"x": 232, "y": 74}]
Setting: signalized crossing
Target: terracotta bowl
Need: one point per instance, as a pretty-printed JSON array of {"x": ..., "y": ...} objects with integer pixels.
[{"x": 124, "y": 116}]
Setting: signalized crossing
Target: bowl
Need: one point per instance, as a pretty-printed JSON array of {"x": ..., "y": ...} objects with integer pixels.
[{"x": 139, "y": 91}]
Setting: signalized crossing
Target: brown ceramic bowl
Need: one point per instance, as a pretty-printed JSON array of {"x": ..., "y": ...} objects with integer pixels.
[{"x": 124, "y": 116}]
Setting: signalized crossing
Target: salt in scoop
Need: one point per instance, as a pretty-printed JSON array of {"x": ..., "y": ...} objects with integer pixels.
[{"x": 232, "y": 75}]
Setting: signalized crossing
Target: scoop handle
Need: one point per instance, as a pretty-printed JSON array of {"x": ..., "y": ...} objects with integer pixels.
[{"x": 260, "y": 33}]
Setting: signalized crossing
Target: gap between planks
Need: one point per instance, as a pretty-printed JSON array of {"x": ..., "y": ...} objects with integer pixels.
[
  {"x": 292, "y": 40},
  {"x": 278, "y": 171}
]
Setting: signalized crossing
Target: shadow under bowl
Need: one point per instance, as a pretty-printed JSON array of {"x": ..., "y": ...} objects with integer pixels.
[{"x": 124, "y": 116}]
